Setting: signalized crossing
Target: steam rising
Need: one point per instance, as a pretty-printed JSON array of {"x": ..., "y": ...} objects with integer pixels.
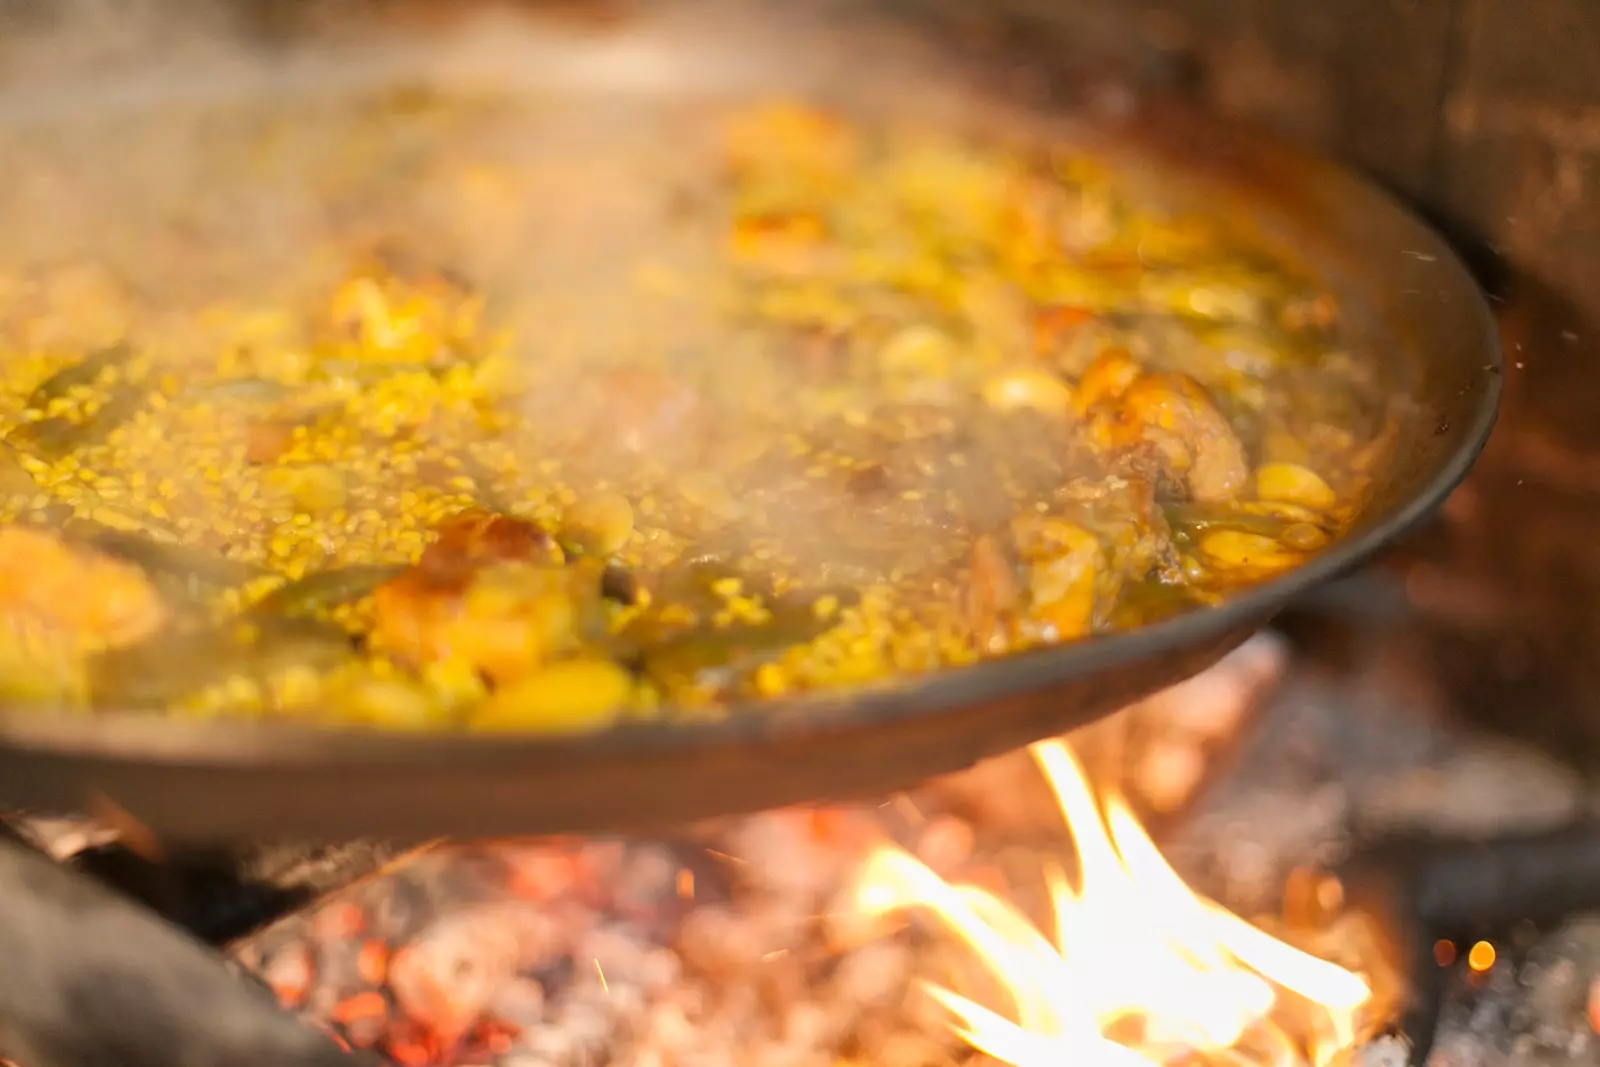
[
  {"x": 181, "y": 177},
  {"x": 206, "y": 198}
]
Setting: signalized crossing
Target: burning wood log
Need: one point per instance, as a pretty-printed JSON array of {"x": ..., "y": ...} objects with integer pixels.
[{"x": 92, "y": 980}]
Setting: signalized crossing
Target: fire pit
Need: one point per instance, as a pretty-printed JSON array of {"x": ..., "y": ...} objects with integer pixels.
[
  {"x": 1206, "y": 878},
  {"x": 962, "y": 922}
]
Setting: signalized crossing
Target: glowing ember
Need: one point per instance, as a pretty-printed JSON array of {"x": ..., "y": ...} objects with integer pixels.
[{"x": 1141, "y": 971}]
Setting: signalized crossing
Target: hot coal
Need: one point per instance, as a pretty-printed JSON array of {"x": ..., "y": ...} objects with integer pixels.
[{"x": 729, "y": 944}]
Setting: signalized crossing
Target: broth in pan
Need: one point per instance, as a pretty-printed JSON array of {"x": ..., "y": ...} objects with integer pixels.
[{"x": 431, "y": 410}]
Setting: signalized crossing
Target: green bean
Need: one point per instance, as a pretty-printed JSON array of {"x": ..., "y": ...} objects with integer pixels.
[
  {"x": 49, "y": 517},
  {"x": 321, "y": 590},
  {"x": 1151, "y": 600},
  {"x": 707, "y": 654},
  {"x": 370, "y": 372},
  {"x": 83, "y": 372},
  {"x": 167, "y": 668},
  {"x": 241, "y": 389},
  {"x": 14, "y": 478},
  {"x": 152, "y": 673},
  {"x": 711, "y": 655},
  {"x": 1190, "y": 520},
  {"x": 173, "y": 560},
  {"x": 59, "y": 436}
]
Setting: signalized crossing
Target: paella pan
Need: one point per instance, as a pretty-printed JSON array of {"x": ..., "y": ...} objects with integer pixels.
[{"x": 531, "y": 432}]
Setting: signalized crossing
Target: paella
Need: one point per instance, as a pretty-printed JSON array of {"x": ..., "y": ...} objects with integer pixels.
[{"x": 443, "y": 411}]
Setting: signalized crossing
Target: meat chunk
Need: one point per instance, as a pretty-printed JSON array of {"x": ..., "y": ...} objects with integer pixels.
[
  {"x": 74, "y": 594},
  {"x": 994, "y": 593},
  {"x": 1173, "y": 417},
  {"x": 479, "y": 538},
  {"x": 1066, "y": 573},
  {"x": 491, "y": 591},
  {"x": 377, "y": 314}
]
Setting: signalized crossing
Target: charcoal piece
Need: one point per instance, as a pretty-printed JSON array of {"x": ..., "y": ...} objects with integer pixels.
[
  {"x": 268, "y": 882},
  {"x": 223, "y": 895}
]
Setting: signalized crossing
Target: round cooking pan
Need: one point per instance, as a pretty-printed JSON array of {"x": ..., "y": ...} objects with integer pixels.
[{"x": 1418, "y": 311}]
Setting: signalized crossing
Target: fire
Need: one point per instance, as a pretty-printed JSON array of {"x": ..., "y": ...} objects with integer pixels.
[{"x": 1141, "y": 969}]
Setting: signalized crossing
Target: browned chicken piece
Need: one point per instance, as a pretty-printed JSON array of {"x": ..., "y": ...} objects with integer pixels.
[
  {"x": 1107, "y": 378},
  {"x": 491, "y": 591},
  {"x": 1055, "y": 576},
  {"x": 1066, "y": 576},
  {"x": 383, "y": 316},
  {"x": 1126, "y": 517},
  {"x": 504, "y": 620},
  {"x": 74, "y": 594},
  {"x": 1170, "y": 414},
  {"x": 479, "y": 538},
  {"x": 993, "y": 595}
]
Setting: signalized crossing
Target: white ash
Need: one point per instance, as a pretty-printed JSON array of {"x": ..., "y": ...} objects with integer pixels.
[
  {"x": 519, "y": 1002},
  {"x": 1535, "y": 1010},
  {"x": 456, "y": 968},
  {"x": 1493, "y": 787},
  {"x": 1382, "y": 1052}
]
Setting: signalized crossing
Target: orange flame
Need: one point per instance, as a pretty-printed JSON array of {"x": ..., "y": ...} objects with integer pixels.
[{"x": 1141, "y": 971}]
